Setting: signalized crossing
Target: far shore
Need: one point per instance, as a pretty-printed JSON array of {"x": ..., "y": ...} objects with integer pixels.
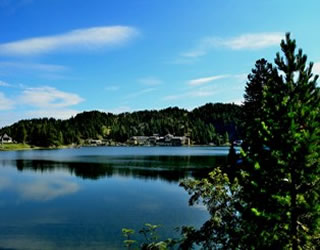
[{"x": 21, "y": 146}]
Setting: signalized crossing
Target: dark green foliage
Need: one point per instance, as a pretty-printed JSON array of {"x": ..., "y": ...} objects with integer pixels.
[
  {"x": 21, "y": 133},
  {"x": 151, "y": 239},
  {"x": 223, "y": 117},
  {"x": 257, "y": 80},
  {"x": 201, "y": 125},
  {"x": 127, "y": 233},
  {"x": 253, "y": 100},
  {"x": 271, "y": 200},
  {"x": 280, "y": 173},
  {"x": 221, "y": 198}
]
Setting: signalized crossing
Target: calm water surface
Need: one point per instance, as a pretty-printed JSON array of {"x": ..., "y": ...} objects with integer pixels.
[{"x": 81, "y": 198}]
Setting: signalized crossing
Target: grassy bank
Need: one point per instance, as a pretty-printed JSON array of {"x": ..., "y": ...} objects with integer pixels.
[
  {"x": 15, "y": 146},
  {"x": 24, "y": 146}
]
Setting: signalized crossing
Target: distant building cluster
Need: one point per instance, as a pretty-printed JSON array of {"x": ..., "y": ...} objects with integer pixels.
[{"x": 156, "y": 140}]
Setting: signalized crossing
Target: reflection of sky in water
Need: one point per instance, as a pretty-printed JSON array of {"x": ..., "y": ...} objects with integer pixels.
[
  {"x": 79, "y": 205},
  {"x": 42, "y": 190},
  {"x": 4, "y": 182},
  {"x": 34, "y": 187}
]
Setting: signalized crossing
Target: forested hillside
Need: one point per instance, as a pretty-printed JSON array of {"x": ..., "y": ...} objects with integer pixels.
[{"x": 212, "y": 123}]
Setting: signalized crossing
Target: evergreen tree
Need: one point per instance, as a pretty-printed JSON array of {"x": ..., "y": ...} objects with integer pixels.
[
  {"x": 21, "y": 134},
  {"x": 258, "y": 78},
  {"x": 274, "y": 201},
  {"x": 280, "y": 177},
  {"x": 253, "y": 100}
]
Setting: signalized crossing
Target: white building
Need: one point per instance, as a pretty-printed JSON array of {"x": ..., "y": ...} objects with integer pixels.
[{"x": 6, "y": 139}]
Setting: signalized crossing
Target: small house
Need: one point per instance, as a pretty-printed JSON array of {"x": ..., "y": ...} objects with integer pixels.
[{"x": 6, "y": 139}]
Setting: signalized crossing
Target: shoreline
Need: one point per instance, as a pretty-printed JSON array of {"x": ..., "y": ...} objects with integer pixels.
[{"x": 20, "y": 146}]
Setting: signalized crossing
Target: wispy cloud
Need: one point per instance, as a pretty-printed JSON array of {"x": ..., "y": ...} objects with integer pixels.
[
  {"x": 5, "y": 103},
  {"x": 204, "y": 80},
  {"x": 141, "y": 92},
  {"x": 4, "y": 84},
  {"x": 49, "y": 98},
  {"x": 84, "y": 39},
  {"x": 52, "y": 68},
  {"x": 198, "y": 88},
  {"x": 150, "y": 81},
  {"x": 38, "y": 103},
  {"x": 112, "y": 88},
  {"x": 250, "y": 41},
  {"x": 195, "y": 93}
]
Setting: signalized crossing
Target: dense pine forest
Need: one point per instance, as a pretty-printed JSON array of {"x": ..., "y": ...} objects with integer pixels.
[{"x": 212, "y": 123}]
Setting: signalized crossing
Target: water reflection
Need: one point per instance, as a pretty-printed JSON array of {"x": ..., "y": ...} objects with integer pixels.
[
  {"x": 4, "y": 182},
  {"x": 44, "y": 190},
  {"x": 38, "y": 188},
  {"x": 81, "y": 199},
  {"x": 168, "y": 168}
]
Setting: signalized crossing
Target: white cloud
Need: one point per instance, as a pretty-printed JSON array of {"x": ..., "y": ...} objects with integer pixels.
[
  {"x": 49, "y": 98},
  {"x": 198, "y": 90},
  {"x": 32, "y": 66},
  {"x": 112, "y": 88},
  {"x": 90, "y": 38},
  {"x": 204, "y": 80},
  {"x": 5, "y": 103},
  {"x": 141, "y": 92},
  {"x": 250, "y": 41},
  {"x": 195, "y": 93},
  {"x": 4, "y": 84},
  {"x": 316, "y": 68},
  {"x": 46, "y": 102},
  {"x": 150, "y": 81}
]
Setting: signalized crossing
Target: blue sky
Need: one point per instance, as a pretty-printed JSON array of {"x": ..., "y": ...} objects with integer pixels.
[{"x": 62, "y": 57}]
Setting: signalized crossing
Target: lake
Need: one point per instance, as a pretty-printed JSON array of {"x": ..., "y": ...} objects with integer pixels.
[{"x": 82, "y": 198}]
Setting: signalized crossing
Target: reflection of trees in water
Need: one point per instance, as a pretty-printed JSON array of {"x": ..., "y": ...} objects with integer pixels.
[{"x": 168, "y": 168}]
